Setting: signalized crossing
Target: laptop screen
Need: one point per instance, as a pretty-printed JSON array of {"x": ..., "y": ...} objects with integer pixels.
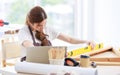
[{"x": 39, "y": 54}]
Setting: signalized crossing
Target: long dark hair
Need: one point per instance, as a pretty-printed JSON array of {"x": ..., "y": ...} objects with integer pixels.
[{"x": 36, "y": 15}]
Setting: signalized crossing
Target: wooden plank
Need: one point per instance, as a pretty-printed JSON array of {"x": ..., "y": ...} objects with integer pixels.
[
  {"x": 108, "y": 63},
  {"x": 106, "y": 54},
  {"x": 106, "y": 59},
  {"x": 95, "y": 52},
  {"x": 102, "y": 59}
]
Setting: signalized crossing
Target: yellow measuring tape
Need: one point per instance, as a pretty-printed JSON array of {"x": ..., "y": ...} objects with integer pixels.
[{"x": 84, "y": 50}]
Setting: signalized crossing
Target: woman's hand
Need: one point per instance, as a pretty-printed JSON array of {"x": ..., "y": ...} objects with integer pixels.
[{"x": 91, "y": 43}]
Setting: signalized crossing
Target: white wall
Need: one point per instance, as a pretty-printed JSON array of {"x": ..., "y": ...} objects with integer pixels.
[{"x": 105, "y": 23}]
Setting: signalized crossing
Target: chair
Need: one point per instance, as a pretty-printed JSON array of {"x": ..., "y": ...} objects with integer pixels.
[{"x": 10, "y": 50}]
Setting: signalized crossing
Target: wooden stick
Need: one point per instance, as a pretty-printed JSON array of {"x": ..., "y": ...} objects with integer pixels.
[
  {"x": 106, "y": 59},
  {"x": 95, "y": 52},
  {"x": 108, "y": 63}
]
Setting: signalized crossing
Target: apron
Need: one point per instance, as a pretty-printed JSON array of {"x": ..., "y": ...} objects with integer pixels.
[{"x": 36, "y": 44}]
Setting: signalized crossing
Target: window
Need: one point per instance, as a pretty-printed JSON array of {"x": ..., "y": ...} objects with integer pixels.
[
  {"x": 60, "y": 12},
  {"x": 14, "y": 11}
]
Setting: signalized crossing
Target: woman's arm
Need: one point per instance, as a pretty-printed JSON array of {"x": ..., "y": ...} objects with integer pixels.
[
  {"x": 74, "y": 40},
  {"x": 27, "y": 43},
  {"x": 24, "y": 37}
]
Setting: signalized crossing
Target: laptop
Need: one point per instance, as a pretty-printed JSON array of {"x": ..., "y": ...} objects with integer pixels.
[{"x": 39, "y": 54}]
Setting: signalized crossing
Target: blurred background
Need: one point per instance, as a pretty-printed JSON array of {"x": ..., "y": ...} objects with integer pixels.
[{"x": 96, "y": 20}]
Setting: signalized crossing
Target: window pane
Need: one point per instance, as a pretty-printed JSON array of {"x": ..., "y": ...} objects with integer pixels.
[
  {"x": 60, "y": 14},
  {"x": 14, "y": 11}
]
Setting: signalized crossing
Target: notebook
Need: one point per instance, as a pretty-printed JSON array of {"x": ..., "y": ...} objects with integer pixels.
[{"x": 39, "y": 54}]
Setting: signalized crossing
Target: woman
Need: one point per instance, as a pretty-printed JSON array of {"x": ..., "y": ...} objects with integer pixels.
[{"x": 35, "y": 33}]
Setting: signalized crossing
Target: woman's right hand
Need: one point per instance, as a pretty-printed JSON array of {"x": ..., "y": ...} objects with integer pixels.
[{"x": 91, "y": 43}]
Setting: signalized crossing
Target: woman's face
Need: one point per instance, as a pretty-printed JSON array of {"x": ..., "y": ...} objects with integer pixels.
[{"x": 39, "y": 26}]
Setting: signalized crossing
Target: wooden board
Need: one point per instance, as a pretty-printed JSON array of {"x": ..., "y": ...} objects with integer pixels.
[{"x": 104, "y": 56}]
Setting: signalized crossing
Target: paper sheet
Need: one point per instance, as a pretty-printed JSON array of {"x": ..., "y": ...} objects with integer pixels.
[{"x": 46, "y": 69}]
